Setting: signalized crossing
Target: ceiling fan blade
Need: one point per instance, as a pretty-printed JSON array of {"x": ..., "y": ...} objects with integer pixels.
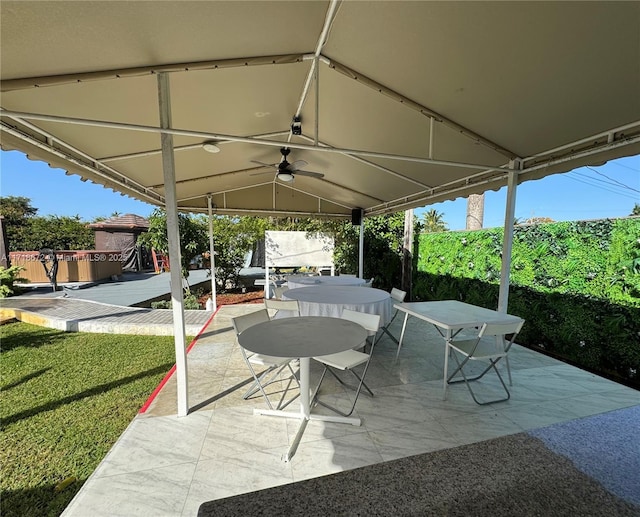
[
  {"x": 264, "y": 164},
  {"x": 267, "y": 165},
  {"x": 298, "y": 164},
  {"x": 310, "y": 174}
]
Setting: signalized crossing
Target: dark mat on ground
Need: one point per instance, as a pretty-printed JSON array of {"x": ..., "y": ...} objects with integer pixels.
[{"x": 517, "y": 475}]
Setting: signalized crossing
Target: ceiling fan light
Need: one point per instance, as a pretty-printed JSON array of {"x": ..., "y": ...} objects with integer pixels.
[
  {"x": 285, "y": 176},
  {"x": 211, "y": 147}
]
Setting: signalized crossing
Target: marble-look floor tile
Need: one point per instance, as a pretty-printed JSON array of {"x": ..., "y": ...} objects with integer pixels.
[
  {"x": 215, "y": 479},
  {"x": 322, "y": 457},
  {"x": 582, "y": 378},
  {"x": 457, "y": 403},
  {"x": 475, "y": 428},
  {"x": 411, "y": 370},
  {"x": 391, "y": 407},
  {"x": 152, "y": 442},
  {"x": 596, "y": 403},
  {"x": 237, "y": 430},
  {"x": 412, "y": 439},
  {"x": 320, "y": 430},
  {"x": 160, "y": 492},
  {"x": 532, "y": 416},
  {"x": 548, "y": 385}
]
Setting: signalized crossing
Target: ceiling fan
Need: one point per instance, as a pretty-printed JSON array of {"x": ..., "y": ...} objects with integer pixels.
[{"x": 285, "y": 170}]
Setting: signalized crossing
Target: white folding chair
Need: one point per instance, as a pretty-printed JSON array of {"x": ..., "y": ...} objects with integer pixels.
[
  {"x": 368, "y": 283},
  {"x": 397, "y": 295},
  {"x": 489, "y": 346},
  {"x": 279, "y": 291},
  {"x": 350, "y": 359},
  {"x": 274, "y": 365},
  {"x": 289, "y": 307}
]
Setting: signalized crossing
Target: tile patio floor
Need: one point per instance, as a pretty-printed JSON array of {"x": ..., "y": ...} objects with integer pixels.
[{"x": 163, "y": 465}]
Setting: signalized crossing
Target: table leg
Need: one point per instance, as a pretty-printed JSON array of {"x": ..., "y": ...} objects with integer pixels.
[
  {"x": 404, "y": 326},
  {"x": 447, "y": 338},
  {"x": 296, "y": 441},
  {"x": 305, "y": 406},
  {"x": 305, "y": 410},
  {"x": 304, "y": 387}
]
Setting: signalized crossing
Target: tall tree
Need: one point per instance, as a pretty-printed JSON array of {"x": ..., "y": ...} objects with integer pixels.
[
  {"x": 433, "y": 221},
  {"x": 59, "y": 233},
  {"x": 475, "y": 212},
  {"x": 539, "y": 220},
  {"x": 16, "y": 208},
  {"x": 193, "y": 236},
  {"x": 17, "y": 212},
  {"x": 27, "y": 231},
  {"x": 407, "y": 254},
  {"x": 636, "y": 209},
  {"x": 233, "y": 238}
]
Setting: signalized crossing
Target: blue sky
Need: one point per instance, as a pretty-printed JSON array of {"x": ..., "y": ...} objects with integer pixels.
[{"x": 610, "y": 190}]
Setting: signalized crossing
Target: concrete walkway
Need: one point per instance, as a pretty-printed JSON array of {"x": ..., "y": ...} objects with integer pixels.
[
  {"x": 106, "y": 307},
  {"x": 88, "y": 316},
  {"x": 129, "y": 289}
]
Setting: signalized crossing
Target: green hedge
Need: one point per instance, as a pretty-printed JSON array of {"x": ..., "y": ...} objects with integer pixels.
[{"x": 576, "y": 283}]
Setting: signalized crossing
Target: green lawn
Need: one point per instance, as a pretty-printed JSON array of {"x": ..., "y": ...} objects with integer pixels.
[{"x": 66, "y": 398}]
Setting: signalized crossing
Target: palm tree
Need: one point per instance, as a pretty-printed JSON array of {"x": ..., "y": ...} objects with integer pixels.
[
  {"x": 434, "y": 222},
  {"x": 475, "y": 211}
]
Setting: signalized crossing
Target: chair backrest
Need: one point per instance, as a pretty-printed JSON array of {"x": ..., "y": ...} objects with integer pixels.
[
  {"x": 368, "y": 283},
  {"x": 398, "y": 295},
  {"x": 279, "y": 291},
  {"x": 241, "y": 323},
  {"x": 283, "y": 305},
  {"x": 501, "y": 329},
  {"x": 370, "y": 322}
]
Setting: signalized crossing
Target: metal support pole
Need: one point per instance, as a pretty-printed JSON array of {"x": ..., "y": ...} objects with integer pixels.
[
  {"x": 173, "y": 235},
  {"x": 361, "y": 249},
  {"x": 212, "y": 262},
  {"x": 407, "y": 254},
  {"x": 507, "y": 244}
]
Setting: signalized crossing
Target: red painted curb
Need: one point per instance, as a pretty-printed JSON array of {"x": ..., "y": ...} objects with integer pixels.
[{"x": 153, "y": 395}]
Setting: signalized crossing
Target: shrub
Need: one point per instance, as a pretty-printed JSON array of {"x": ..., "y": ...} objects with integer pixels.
[
  {"x": 190, "y": 303},
  {"x": 9, "y": 276},
  {"x": 577, "y": 285}
]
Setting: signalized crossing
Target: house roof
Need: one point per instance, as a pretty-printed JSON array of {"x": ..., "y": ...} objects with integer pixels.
[
  {"x": 126, "y": 221},
  {"x": 401, "y": 104}
]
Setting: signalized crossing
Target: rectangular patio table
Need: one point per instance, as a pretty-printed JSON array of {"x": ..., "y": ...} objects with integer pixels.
[{"x": 449, "y": 317}]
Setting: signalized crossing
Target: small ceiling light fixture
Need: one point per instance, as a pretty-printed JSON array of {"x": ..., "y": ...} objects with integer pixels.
[
  {"x": 211, "y": 147},
  {"x": 285, "y": 176}
]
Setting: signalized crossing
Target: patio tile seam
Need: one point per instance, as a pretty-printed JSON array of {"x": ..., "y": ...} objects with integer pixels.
[{"x": 153, "y": 468}]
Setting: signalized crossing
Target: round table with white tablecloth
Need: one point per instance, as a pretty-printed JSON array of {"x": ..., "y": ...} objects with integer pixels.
[
  {"x": 296, "y": 281},
  {"x": 322, "y": 300}
]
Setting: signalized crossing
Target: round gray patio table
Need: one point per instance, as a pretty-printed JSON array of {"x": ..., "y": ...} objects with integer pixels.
[{"x": 303, "y": 338}]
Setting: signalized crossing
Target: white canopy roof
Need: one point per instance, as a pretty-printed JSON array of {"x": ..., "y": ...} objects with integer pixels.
[{"x": 402, "y": 104}]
